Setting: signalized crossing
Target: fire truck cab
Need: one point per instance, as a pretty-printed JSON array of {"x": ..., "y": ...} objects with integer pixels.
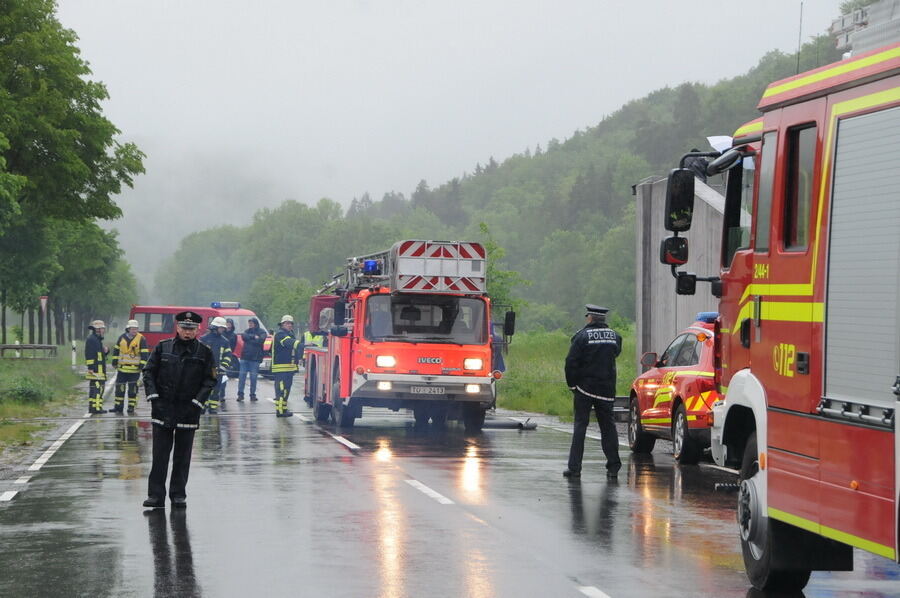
[
  {"x": 807, "y": 350},
  {"x": 412, "y": 330}
]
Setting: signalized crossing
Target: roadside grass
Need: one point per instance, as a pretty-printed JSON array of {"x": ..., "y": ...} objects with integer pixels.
[
  {"x": 535, "y": 379},
  {"x": 33, "y": 388}
]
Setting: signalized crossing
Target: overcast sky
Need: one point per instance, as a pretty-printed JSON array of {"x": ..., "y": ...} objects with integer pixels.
[{"x": 240, "y": 105}]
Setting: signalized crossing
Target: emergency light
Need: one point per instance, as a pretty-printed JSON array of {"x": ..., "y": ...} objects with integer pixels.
[
  {"x": 709, "y": 317},
  {"x": 371, "y": 267},
  {"x": 225, "y": 304}
]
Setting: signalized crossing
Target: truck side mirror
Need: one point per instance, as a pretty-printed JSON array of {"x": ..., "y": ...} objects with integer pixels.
[
  {"x": 673, "y": 251},
  {"x": 648, "y": 360},
  {"x": 686, "y": 283},
  {"x": 340, "y": 313},
  {"x": 679, "y": 200},
  {"x": 509, "y": 323},
  {"x": 724, "y": 162}
]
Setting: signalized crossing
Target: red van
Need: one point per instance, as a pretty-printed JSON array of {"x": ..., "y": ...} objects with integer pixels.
[{"x": 157, "y": 322}]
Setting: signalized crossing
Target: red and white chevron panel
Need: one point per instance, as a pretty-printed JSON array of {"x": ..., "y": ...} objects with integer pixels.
[{"x": 441, "y": 250}]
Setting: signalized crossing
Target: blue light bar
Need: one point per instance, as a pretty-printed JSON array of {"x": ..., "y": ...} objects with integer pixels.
[
  {"x": 709, "y": 317},
  {"x": 371, "y": 267},
  {"x": 225, "y": 304}
]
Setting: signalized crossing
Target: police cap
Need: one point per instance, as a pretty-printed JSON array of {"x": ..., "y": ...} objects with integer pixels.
[
  {"x": 188, "y": 319},
  {"x": 595, "y": 310}
]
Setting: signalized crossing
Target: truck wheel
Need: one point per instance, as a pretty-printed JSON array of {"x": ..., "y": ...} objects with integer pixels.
[
  {"x": 421, "y": 413},
  {"x": 321, "y": 411},
  {"x": 759, "y": 533},
  {"x": 684, "y": 448},
  {"x": 343, "y": 415},
  {"x": 638, "y": 440},
  {"x": 473, "y": 418}
]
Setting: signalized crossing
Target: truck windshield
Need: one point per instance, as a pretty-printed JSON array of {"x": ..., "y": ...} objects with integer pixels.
[{"x": 426, "y": 318}]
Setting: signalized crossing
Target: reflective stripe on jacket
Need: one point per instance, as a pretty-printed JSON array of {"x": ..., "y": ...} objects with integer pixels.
[
  {"x": 284, "y": 352},
  {"x": 130, "y": 355}
]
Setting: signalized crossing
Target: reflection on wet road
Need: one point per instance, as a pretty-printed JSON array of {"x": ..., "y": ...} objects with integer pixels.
[{"x": 280, "y": 508}]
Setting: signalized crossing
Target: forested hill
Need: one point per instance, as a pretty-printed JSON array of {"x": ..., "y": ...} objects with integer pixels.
[{"x": 563, "y": 214}]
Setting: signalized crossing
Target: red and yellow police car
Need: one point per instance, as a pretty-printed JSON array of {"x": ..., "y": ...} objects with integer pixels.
[{"x": 673, "y": 399}]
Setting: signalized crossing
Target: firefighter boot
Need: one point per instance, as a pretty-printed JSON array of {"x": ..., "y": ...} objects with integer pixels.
[
  {"x": 281, "y": 409},
  {"x": 132, "y": 397},
  {"x": 118, "y": 406},
  {"x": 222, "y": 405},
  {"x": 212, "y": 406}
]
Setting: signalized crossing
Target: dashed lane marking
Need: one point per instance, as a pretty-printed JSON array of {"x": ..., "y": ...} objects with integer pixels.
[
  {"x": 429, "y": 492},
  {"x": 720, "y": 468},
  {"x": 592, "y": 592},
  {"x": 23, "y": 480},
  {"x": 8, "y": 495},
  {"x": 350, "y": 445},
  {"x": 591, "y": 436}
]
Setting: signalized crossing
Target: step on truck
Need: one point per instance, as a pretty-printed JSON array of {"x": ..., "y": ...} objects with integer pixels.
[
  {"x": 411, "y": 330},
  {"x": 807, "y": 356}
]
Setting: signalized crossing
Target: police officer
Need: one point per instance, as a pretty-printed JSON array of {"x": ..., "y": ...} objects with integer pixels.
[
  {"x": 216, "y": 340},
  {"x": 285, "y": 350},
  {"x": 178, "y": 379},
  {"x": 591, "y": 376},
  {"x": 129, "y": 356},
  {"x": 95, "y": 360}
]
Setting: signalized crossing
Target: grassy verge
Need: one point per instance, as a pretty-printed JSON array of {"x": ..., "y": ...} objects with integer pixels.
[
  {"x": 32, "y": 388},
  {"x": 535, "y": 380}
]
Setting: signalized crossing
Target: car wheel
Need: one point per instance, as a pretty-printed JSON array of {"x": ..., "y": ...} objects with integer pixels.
[
  {"x": 759, "y": 533},
  {"x": 684, "y": 448},
  {"x": 638, "y": 440}
]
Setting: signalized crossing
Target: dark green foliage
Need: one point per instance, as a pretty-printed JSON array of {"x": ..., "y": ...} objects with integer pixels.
[{"x": 24, "y": 390}]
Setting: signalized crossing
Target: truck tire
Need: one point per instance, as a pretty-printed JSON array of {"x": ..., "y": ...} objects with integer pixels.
[
  {"x": 438, "y": 415},
  {"x": 759, "y": 533},
  {"x": 684, "y": 448},
  {"x": 343, "y": 415},
  {"x": 473, "y": 418},
  {"x": 321, "y": 410},
  {"x": 639, "y": 441},
  {"x": 421, "y": 413}
]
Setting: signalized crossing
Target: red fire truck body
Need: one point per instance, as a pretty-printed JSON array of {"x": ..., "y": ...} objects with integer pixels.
[
  {"x": 412, "y": 330},
  {"x": 808, "y": 352}
]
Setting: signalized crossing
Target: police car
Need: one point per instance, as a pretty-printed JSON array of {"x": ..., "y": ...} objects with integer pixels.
[{"x": 673, "y": 399}]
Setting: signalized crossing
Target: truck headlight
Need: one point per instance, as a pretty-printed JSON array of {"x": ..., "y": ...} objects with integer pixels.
[
  {"x": 472, "y": 363},
  {"x": 473, "y": 388},
  {"x": 386, "y": 361}
]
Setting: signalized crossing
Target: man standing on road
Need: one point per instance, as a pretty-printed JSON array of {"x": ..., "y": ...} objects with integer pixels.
[
  {"x": 129, "y": 356},
  {"x": 251, "y": 356},
  {"x": 591, "y": 376},
  {"x": 178, "y": 379},
  {"x": 216, "y": 340},
  {"x": 284, "y": 364},
  {"x": 95, "y": 360}
]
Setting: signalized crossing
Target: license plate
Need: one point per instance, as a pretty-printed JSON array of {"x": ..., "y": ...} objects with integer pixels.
[{"x": 428, "y": 390}]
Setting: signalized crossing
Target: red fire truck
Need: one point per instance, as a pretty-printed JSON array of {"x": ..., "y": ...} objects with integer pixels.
[
  {"x": 807, "y": 352},
  {"x": 412, "y": 330}
]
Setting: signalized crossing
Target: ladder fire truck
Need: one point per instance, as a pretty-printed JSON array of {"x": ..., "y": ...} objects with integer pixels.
[
  {"x": 412, "y": 330},
  {"x": 807, "y": 354}
]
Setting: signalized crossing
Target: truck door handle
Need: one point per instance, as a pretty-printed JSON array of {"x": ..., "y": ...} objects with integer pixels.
[{"x": 745, "y": 332}]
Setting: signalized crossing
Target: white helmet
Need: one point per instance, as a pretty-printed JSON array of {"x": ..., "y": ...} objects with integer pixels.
[
  {"x": 218, "y": 321},
  {"x": 132, "y": 324},
  {"x": 287, "y": 318}
]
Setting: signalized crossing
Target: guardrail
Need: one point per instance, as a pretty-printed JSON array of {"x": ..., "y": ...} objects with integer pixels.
[{"x": 28, "y": 351}]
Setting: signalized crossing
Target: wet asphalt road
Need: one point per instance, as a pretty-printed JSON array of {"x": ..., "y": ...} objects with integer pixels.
[{"x": 280, "y": 507}]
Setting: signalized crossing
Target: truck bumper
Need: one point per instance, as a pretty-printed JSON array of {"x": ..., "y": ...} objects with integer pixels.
[{"x": 412, "y": 387}]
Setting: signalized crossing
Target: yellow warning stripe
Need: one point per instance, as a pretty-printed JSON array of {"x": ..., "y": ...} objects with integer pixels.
[
  {"x": 834, "y": 534},
  {"x": 754, "y": 126},
  {"x": 663, "y": 420},
  {"x": 836, "y": 71}
]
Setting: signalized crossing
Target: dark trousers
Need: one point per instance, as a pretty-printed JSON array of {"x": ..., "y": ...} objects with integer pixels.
[
  {"x": 163, "y": 441},
  {"x": 95, "y": 395},
  {"x": 609, "y": 438},
  {"x": 126, "y": 381}
]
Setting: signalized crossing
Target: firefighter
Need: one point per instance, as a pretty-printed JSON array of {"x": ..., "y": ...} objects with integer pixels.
[
  {"x": 284, "y": 364},
  {"x": 129, "y": 356},
  {"x": 215, "y": 339},
  {"x": 178, "y": 379},
  {"x": 591, "y": 376},
  {"x": 95, "y": 360},
  {"x": 251, "y": 356}
]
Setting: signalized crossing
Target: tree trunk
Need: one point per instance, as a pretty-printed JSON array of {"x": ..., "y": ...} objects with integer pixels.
[
  {"x": 40, "y": 323},
  {"x": 30, "y": 325},
  {"x": 71, "y": 324},
  {"x": 60, "y": 326},
  {"x": 3, "y": 316}
]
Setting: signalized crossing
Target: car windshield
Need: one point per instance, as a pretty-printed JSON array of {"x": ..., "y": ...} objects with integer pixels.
[{"x": 426, "y": 318}]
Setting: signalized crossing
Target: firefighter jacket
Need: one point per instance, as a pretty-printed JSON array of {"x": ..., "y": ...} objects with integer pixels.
[
  {"x": 285, "y": 349},
  {"x": 130, "y": 354},
  {"x": 591, "y": 362},
  {"x": 254, "y": 338},
  {"x": 95, "y": 357},
  {"x": 178, "y": 379},
  {"x": 221, "y": 349},
  {"x": 313, "y": 340}
]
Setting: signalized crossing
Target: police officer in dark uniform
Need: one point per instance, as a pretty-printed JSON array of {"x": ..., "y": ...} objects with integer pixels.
[
  {"x": 591, "y": 376},
  {"x": 178, "y": 378}
]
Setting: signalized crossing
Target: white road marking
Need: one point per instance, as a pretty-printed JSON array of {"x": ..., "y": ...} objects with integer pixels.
[
  {"x": 345, "y": 442},
  {"x": 429, "y": 492},
  {"x": 720, "y": 468},
  {"x": 592, "y": 592},
  {"x": 40, "y": 461},
  {"x": 8, "y": 495},
  {"x": 23, "y": 480}
]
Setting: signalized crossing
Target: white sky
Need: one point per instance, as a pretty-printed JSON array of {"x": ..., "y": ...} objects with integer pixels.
[{"x": 240, "y": 105}]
